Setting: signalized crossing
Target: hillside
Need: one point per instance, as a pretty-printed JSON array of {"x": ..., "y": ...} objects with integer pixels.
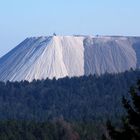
[{"x": 61, "y": 56}]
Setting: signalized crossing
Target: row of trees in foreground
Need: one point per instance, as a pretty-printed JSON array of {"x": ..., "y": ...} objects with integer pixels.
[{"x": 59, "y": 129}]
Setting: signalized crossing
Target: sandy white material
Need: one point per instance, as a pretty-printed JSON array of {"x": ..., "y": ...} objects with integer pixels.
[{"x": 61, "y": 56}]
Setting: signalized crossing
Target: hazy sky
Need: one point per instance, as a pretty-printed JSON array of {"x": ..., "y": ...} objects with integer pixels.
[{"x": 24, "y": 18}]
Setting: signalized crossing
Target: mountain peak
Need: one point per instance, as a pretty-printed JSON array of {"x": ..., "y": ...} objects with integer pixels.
[{"x": 59, "y": 56}]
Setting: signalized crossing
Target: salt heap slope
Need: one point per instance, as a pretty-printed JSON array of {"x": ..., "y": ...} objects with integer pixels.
[{"x": 61, "y": 56}]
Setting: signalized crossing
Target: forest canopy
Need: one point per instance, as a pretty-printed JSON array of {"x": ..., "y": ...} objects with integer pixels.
[{"x": 77, "y": 98}]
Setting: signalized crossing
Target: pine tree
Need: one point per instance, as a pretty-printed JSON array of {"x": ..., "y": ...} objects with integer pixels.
[{"x": 130, "y": 129}]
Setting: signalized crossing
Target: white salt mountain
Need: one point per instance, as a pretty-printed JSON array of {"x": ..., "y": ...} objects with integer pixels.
[{"x": 61, "y": 56}]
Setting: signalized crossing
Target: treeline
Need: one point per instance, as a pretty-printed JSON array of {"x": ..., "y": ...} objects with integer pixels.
[
  {"x": 87, "y": 128},
  {"x": 65, "y": 109},
  {"x": 83, "y": 98},
  {"x": 51, "y": 130}
]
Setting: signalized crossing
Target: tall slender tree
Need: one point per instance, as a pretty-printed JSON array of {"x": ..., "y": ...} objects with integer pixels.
[{"x": 130, "y": 129}]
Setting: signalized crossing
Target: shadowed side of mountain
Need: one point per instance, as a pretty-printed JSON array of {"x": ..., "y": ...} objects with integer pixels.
[{"x": 108, "y": 54}]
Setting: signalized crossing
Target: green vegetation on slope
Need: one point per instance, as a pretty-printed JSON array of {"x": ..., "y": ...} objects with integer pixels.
[{"x": 83, "y": 98}]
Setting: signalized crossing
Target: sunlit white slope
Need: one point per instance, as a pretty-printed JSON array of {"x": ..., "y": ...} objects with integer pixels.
[{"x": 44, "y": 57}]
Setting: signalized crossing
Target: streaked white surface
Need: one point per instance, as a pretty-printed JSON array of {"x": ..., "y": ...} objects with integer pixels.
[{"x": 60, "y": 56}]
